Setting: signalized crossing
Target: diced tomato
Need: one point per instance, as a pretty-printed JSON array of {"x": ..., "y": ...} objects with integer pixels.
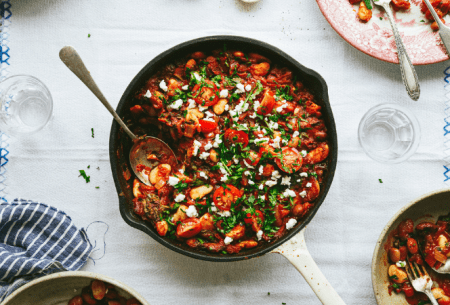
[
  {"x": 267, "y": 103},
  {"x": 232, "y": 136},
  {"x": 224, "y": 197},
  {"x": 207, "y": 126},
  {"x": 254, "y": 158},
  {"x": 408, "y": 290},
  {"x": 189, "y": 227},
  {"x": 249, "y": 217},
  {"x": 206, "y": 95},
  {"x": 290, "y": 160},
  {"x": 136, "y": 110}
]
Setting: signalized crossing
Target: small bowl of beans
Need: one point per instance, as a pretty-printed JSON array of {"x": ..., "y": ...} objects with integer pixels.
[{"x": 75, "y": 288}]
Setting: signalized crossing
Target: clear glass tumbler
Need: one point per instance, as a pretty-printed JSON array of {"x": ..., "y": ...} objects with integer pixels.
[
  {"x": 389, "y": 133},
  {"x": 26, "y": 105}
]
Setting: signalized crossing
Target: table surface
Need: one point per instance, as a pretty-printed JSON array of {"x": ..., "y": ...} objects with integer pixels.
[{"x": 124, "y": 36}]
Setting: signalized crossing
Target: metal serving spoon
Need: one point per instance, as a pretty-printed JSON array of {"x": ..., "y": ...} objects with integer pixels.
[
  {"x": 142, "y": 147},
  {"x": 444, "y": 31},
  {"x": 409, "y": 75}
]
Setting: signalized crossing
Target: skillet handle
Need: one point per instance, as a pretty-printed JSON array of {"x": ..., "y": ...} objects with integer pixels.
[{"x": 296, "y": 252}]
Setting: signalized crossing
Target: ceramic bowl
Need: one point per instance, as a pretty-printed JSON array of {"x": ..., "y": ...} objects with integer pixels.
[
  {"x": 426, "y": 208},
  {"x": 59, "y": 288}
]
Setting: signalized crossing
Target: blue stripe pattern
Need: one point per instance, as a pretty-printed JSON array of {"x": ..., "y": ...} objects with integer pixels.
[{"x": 35, "y": 240}]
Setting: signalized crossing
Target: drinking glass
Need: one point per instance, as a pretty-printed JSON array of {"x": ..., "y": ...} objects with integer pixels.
[
  {"x": 26, "y": 105},
  {"x": 389, "y": 133}
]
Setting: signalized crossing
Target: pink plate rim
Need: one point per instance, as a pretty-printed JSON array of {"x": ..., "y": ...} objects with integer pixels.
[{"x": 425, "y": 61}]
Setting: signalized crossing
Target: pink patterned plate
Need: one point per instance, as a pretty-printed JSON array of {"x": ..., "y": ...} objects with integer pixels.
[{"x": 375, "y": 38}]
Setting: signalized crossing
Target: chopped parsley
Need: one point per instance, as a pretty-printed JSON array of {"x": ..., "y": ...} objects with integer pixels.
[
  {"x": 92, "y": 130},
  {"x": 86, "y": 177}
]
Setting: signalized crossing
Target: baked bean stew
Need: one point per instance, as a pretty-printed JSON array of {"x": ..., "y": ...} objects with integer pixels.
[
  {"x": 101, "y": 293},
  {"x": 425, "y": 245},
  {"x": 251, "y": 148},
  {"x": 441, "y": 7}
]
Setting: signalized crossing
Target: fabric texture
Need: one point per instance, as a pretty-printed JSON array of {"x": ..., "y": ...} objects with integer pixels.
[
  {"x": 35, "y": 240},
  {"x": 124, "y": 37}
]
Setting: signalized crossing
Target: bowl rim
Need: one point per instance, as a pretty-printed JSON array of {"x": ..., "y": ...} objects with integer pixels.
[
  {"x": 246, "y": 42},
  {"x": 69, "y": 274},
  {"x": 388, "y": 228}
]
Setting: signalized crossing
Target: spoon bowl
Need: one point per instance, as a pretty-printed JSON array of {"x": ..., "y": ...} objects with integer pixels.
[{"x": 147, "y": 152}]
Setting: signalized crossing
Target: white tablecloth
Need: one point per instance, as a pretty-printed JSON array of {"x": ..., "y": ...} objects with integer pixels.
[{"x": 125, "y": 35}]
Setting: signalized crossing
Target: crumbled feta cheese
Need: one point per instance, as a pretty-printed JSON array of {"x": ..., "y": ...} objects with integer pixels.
[
  {"x": 222, "y": 170},
  {"x": 279, "y": 109},
  {"x": 401, "y": 264},
  {"x": 173, "y": 181},
  {"x": 261, "y": 186},
  {"x": 224, "y": 213},
  {"x": 209, "y": 119},
  {"x": 227, "y": 240},
  {"x": 247, "y": 173},
  {"x": 291, "y": 223},
  {"x": 251, "y": 182},
  {"x": 181, "y": 171},
  {"x": 289, "y": 193},
  {"x": 163, "y": 86},
  {"x": 201, "y": 108},
  {"x": 197, "y": 77},
  {"x": 262, "y": 197},
  {"x": 303, "y": 194},
  {"x": 217, "y": 141},
  {"x": 148, "y": 94},
  {"x": 273, "y": 125},
  {"x": 208, "y": 146},
  {"x": 197, "y": 145},
  {"x": 236, "y": 161},
  {"x": 224, "y": 178},
  {"x": 303, "y": 153},
  {"x": 270, "y": 183},
  {"x": 248, "y": 165},
  {"x": 240, "y": 88},
  {"x": 177, "y": 104},
  {"x": 261, "y": 169},
  {"x": 191, "y": 211},
  {"x": 284, "y": 141},
  {"x": 304, "y": 174},
  {"x": 276, "y": 175},
  {"x": 204, "y": 155},
  {"x": 295, "y": 134},
  {"x": 248, "y": 87},
  {"x": 252, "y": 116},
  {"x": 256, "y": 105},
  {"x": 259, "y": 234},
  {"x": 185, "y": 87},
  {"x": 309, "y": 184},
  {"x": 223, "y": 93},
  {"x": 208, "y": 113},
  {"x": 286, "y": 180},
  {"x": 179, "y": 198},
  {"x": 192, "y": 103},
  {"x": 227, "y": 107},
  {"x": 203, "y": 175},
  {"x": 213, "y": 209},
  {"x": 276, "y": 142}
]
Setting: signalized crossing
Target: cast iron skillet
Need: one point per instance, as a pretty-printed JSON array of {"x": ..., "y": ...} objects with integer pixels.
[{"x": 119, "y": 143}]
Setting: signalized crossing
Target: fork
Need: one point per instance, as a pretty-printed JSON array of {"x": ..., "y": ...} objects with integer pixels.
[
  {"x": 421, "y": 281},
  {"x": 444, "y": 31},
  {"x": 409, "y": 75}
]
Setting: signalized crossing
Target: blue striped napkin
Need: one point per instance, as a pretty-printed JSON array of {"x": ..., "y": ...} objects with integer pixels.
[{"x": 36, "y": 240}]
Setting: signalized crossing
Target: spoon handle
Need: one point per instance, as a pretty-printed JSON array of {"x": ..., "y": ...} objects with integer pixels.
[
  {"x": 73, "y": 61},
  {"x": 409, "y": 74}
]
